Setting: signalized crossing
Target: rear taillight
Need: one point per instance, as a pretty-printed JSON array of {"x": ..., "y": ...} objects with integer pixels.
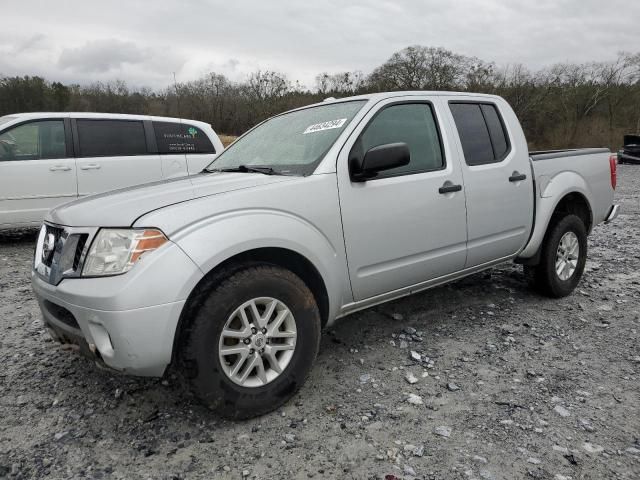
[{"x": 613, "y": 162}]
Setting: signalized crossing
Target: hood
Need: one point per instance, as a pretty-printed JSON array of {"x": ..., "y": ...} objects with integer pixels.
[{"x": 121, "y": 208}]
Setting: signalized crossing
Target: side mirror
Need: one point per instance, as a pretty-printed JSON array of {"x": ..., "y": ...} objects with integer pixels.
[{"x": 377, "y": 159}]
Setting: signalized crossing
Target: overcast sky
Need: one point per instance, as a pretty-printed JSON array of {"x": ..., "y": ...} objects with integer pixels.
[{"x": 143, "y": 42}]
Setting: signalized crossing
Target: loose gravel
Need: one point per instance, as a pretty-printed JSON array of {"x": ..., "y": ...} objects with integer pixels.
[{"x": 480, "y": 379}]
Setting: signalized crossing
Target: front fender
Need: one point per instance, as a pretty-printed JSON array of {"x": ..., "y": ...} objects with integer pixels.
[
  {"x": 215, "y": 239},
  {"x": 550, "y": 191}
]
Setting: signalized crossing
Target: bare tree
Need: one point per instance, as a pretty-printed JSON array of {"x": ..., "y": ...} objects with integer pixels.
[
  {"x": 343, "y": 83},
  {"x": 421, "y": 68},
  {"x": 568, "y": 104}
]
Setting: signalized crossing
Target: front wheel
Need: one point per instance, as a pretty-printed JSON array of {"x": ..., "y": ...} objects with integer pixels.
[
  {"x": 252, "y": 342},
  {"x": 564, "y": 254}
]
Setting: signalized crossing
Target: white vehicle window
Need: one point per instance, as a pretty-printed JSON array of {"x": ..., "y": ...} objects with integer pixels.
[
  {"x": 34, "y": 141},
  {"x": 111, "y": 138},
  {"x": 292, "y": 143},
  {"x": 181, "y": 138}
]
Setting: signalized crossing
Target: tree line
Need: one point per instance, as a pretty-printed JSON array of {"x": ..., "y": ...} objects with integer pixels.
[{"x": 562, "y": 106}]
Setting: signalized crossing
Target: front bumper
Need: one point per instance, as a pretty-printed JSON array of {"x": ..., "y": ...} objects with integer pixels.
[{"x": 126, "y": 322}]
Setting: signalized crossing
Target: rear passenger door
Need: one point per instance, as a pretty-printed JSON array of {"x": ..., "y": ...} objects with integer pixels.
[
  {"x": 113, "y": 154},
  {"x": 497, "y": 177},
  {"x": 184, "y": 148}
]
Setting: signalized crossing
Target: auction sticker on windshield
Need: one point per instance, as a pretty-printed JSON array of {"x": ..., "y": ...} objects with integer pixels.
[{"x": 318, "y": 127}]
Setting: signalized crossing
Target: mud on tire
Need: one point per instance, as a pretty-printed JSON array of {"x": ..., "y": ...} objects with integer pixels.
[
  {"x": 544, "y": 277},
  {"x": 199, "y": 351}
]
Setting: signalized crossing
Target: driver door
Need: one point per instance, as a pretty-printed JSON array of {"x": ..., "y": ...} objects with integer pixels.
[
  {"x": 402, "y": 228},
  {"x": 37, "y": 171}
]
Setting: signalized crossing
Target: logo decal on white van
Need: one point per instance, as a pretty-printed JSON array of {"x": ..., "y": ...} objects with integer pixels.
[{"x": 318, "y": 127}]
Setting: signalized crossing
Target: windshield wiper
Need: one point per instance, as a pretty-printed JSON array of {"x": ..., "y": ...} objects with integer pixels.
[{"x": 246, "y": 169}]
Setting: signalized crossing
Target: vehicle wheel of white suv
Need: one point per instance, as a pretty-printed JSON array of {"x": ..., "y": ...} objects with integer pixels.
[
  {"x": 252, "y": 342},
  {"x": 564, "y": 254}
]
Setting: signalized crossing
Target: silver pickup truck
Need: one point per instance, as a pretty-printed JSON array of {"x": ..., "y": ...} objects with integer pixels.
[{"x": 230, "y": 275}]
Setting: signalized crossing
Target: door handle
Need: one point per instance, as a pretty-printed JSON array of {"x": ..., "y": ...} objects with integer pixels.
[
  {"x": 449, "y": 188},
  {"x": 60, "y": 168},
  {"x": 517, "y": 177},
  {"x": 90, "y": 166}
]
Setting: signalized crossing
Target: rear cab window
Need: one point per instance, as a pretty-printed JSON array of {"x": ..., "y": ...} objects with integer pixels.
[
  {"x": 482, "y": 133},
  {"x": 181, "y": 138},
  {"x": 110, "y": 138}
]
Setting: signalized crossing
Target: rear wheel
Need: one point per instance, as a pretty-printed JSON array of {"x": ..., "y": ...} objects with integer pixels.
[
  {"x": 252, "y": 342},
  {"x": 564, "y": 254}
]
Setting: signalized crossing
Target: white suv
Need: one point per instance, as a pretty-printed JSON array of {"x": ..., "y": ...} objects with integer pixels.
[{"x": 47, "y": 159}]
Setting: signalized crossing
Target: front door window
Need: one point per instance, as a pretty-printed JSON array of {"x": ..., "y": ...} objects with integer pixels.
[{"x": 33, "y": 141}]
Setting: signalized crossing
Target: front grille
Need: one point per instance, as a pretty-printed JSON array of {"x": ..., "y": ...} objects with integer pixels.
[
  {"x": 60, "y": 252},
  {"x": 82, "y": 241}
]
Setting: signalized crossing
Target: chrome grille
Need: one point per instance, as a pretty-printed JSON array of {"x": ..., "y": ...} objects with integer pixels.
[{"x": 60, "y": 252}]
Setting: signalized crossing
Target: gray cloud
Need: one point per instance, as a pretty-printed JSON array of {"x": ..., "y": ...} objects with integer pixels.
[
  {"x": 30, "y": 44},
  {"x": 101, "y": 56},
  {"x": 299, "y": 38}
]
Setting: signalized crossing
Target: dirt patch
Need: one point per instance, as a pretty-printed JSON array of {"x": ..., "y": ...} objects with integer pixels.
[{"x": 227, "y": 139}]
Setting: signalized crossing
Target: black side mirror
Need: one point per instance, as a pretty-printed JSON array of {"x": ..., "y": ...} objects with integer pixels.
[{"x": 377, "y": 159}]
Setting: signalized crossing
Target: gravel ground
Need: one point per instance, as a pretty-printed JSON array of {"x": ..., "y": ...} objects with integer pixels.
[{"x": 504, "y": 384}]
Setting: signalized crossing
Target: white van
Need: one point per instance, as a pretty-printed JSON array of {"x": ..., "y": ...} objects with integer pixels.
[{"x": 47, "y": 159}]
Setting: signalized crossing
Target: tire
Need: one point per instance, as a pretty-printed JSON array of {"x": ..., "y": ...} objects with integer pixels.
[
  {"x": 544, "y": 277},
  {"x": 209, "y": 374}
]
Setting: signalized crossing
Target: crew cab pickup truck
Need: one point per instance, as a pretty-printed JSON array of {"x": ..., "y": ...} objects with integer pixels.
[{"x": 230, "y": 275}]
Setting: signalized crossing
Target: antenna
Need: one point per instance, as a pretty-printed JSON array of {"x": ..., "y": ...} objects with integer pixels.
[{"x": 175, "y": 86}]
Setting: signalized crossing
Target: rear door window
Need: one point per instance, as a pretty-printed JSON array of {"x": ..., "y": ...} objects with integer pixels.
[
  {"x": 111, "y": 138},
  {"x": 173, "y": 137},
  {"x": 497, "y": 133},
  {"x": 34, "y": 141},
  {"x": 482, "y": 134}
]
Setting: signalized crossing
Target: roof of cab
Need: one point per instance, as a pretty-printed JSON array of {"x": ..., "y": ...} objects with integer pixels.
[{"x": 376, "y": 97}]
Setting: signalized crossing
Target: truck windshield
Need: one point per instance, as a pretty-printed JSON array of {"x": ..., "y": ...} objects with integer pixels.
[{"x": 289, "y": 144}]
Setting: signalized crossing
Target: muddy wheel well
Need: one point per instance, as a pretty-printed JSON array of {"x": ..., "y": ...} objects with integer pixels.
[
  {"x": 576, "y": 204},
  {"x": 281, "y": 257}
]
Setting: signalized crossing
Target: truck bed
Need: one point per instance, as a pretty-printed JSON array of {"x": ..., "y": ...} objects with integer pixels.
[
  {"x": 584, "y": 171},
  {"x": 570, "y": 152}
]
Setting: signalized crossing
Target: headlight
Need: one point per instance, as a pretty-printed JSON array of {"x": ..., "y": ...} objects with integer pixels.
[{"x": 116, "y": 251}]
